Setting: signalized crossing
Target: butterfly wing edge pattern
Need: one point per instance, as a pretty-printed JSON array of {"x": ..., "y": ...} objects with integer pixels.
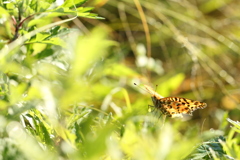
[{"x": 174, "y": 106}]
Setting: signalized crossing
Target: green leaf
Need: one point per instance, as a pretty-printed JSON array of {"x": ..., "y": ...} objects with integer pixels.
[
  {"x": 73, "y": 3},
  {"x": 165, "y": 88},
  {"x": 5, "y": 25},
  {"x": 17, "y": 92},
  {"x": 4, "y": 15},
  {"x": 236, "y": 125},
  {"x": 207, "y": 149},
  {"x": 86, "y": 54},
  {"x": 46, "y": 38},
  {"x": 63, "y": 11},
  {"x": 45, "y": 53},
  {"x": 57, "y": 31},
  {"x": 119, "y": 70},
  {"x": 85, "y": 12}
]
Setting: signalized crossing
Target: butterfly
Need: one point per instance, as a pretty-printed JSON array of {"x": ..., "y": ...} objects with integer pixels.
[{"x": 174, "y": 106}]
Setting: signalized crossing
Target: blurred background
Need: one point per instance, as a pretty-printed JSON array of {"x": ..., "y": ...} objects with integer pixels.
[
  {"x": 68, "y": 89},
  {"x": 188, "y": 49}
]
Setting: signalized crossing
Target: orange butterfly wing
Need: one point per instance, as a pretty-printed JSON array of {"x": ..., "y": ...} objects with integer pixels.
[{"x": 174, "y": 106}]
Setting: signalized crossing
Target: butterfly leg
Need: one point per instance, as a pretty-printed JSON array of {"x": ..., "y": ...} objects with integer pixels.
[{"x": 151, "y": 108}]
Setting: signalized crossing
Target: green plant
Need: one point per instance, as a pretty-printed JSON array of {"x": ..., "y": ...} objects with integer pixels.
[{"x": 69, "y": 94}]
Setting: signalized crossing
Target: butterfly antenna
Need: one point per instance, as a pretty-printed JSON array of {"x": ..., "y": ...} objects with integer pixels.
[
  {"x": 156, "y": 89},
  {"x": 141, "y": 87}
]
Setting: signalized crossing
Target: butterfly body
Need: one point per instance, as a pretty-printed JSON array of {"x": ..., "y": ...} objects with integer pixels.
[{"x": 174, "y": 106}]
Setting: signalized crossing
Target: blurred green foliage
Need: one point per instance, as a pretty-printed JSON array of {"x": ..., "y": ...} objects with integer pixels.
[{"x": 67, "y": 74}]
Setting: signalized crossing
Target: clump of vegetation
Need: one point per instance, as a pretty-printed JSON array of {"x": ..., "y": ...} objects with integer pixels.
[{"x": 67, "y": 79}]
